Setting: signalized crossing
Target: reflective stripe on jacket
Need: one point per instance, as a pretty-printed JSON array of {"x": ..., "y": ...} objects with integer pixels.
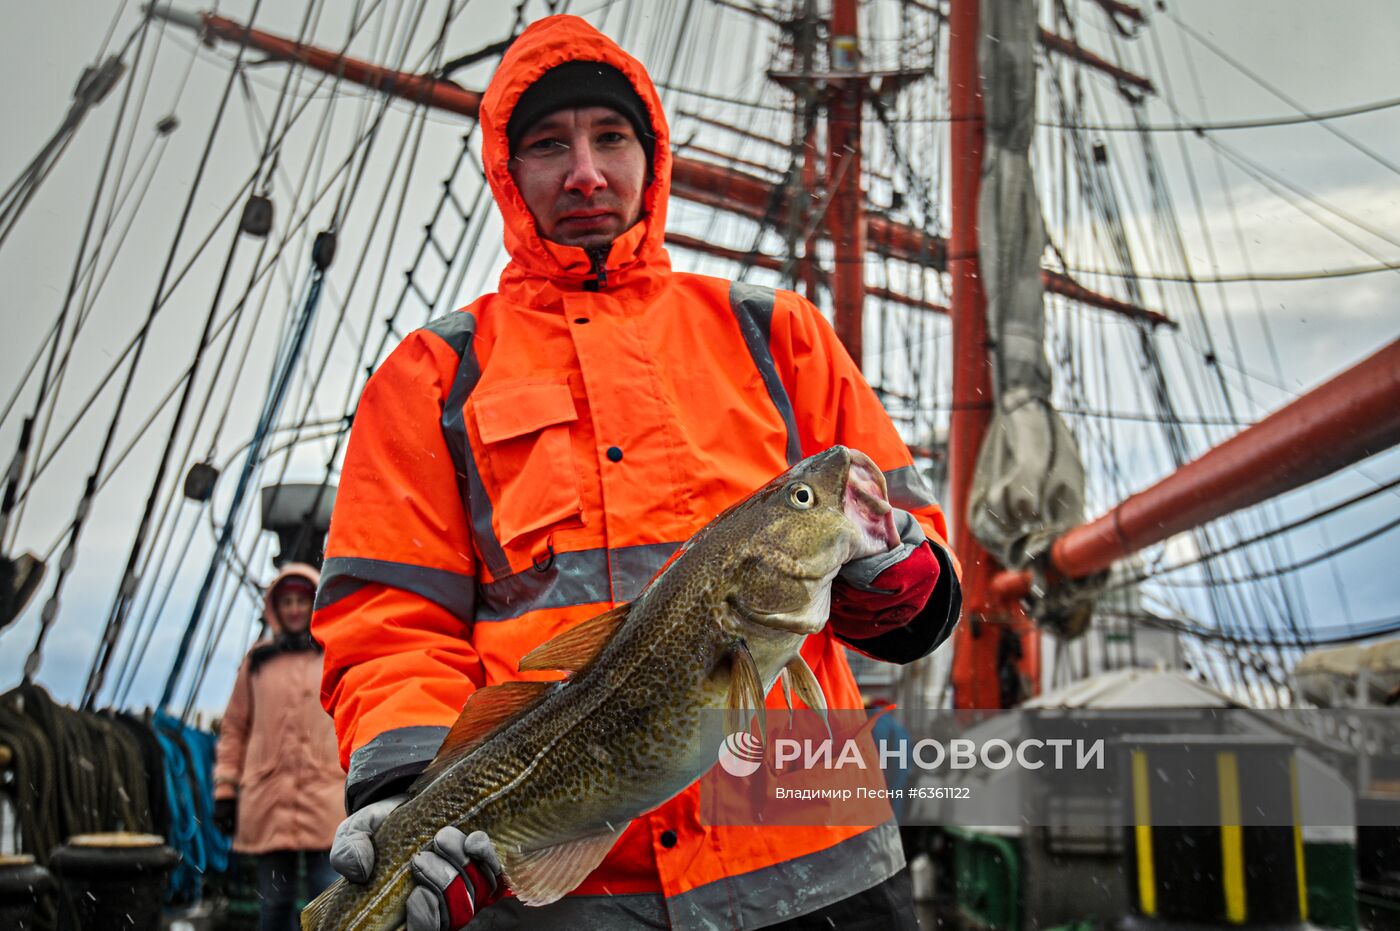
[{"x": 530, "y": 461}]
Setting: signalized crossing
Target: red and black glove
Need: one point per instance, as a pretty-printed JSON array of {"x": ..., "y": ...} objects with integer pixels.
[
  {"x": 876, "y": 594},
  {"x": 456, "y": 876}
]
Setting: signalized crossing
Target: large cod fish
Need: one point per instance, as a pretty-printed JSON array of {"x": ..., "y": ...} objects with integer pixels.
[{"x": 554, "y": 771}]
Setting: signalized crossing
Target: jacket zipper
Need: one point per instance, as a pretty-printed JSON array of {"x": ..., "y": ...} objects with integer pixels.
[{"x": 598, "y": 258}]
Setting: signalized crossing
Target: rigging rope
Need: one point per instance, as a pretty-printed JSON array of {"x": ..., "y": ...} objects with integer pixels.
[
  {"x": 77, "y": 772},
  {"x": 1284, "y": 570},
  {"x": 1317, "y": 274},
  {"x": 131, "y": 345},
  {"x": 189, "y": 265},
  {"x": 1247, "y": 72},
  {"x": 216, "y": 630},
  {"x": 137, "y": 645},
  {"x": 251, "y": 462},
  {"x": 50, "y": 609},
  {"x": 127, "y": 588},
  {"x": 428, "y": 239},
  {"x": 1269, "y": 512},
  {"x": 189, "y": 784},
  {"x": 343, "y": 204},
  {"x": 365, "y": 363},
  {"x": 1165, "y": 211},
  {"x": 94, "y": 85},
  {"x": 74, "y": 773},
  {"x": 1272, "y": 532},
  {"x": 1368, "y": 630},
  {"x": 1103, "y": 200}
]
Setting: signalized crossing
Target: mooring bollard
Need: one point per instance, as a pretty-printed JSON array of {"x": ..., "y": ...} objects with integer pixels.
[
  {"x": 113, "y": 881},
  {"x": 24, "y": 887}
]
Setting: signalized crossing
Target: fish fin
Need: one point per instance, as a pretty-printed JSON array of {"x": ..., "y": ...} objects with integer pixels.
[
  {"x": 486, "y": 710},
  {"x": 538, "y": 877},
  {"x": 805, "y": 683},
  {"x": 576, "y": 647},
  {"x": 745, "y": 692},
  {"x": 786, "y": 680},
  {"x": 317, "y": 913}
]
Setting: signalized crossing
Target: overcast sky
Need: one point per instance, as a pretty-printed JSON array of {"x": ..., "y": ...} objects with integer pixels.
[{"x": 1324, "y": 57}]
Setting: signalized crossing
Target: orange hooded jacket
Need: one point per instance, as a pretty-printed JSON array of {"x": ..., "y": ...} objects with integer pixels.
[
  {"x": 530, "y": 461},
  {"x": 276, "y": 751}
]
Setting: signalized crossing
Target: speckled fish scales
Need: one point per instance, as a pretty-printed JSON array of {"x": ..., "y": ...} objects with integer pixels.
[{"x": 555, "y": 771}]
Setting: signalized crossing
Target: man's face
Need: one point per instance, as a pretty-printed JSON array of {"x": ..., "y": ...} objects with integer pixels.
[{"x": 582, "y": 173}]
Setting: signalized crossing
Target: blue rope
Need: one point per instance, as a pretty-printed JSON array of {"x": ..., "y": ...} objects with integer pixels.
[{"x": 189, "y": 784}]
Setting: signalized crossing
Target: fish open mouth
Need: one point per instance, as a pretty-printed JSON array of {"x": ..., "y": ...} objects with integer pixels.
[{"x": 867, "y": 504}]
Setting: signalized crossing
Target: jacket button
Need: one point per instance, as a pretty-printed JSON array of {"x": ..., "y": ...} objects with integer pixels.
[
  {"x": 614, "y": 454},
  {"x": 668, "y": 839}
]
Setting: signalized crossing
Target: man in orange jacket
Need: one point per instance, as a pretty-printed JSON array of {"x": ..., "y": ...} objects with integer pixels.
[{"x": 531, "y": 460}]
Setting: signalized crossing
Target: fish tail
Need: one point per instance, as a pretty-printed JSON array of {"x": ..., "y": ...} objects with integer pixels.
[
  {"x": 316, "y": 915},
  {"x": 346, "y": 906}
]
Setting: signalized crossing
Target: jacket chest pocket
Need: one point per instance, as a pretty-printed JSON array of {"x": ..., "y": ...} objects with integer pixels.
[{"x": 525, "y": 429}]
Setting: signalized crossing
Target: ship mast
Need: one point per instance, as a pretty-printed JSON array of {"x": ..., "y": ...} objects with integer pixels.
[
  {"x": 714, "y": 186},
  {"x": 979, "y": 655},
  {"x": 845, "y": 218},
  {"x": 976, "y": 642}
]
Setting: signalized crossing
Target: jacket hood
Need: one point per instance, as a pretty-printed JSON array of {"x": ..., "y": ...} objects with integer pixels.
[
  {"x": 537, "y": 264},
  {"x": 290, "y": 569}
]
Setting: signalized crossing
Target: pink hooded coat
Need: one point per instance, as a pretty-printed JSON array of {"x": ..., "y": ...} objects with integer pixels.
[{"x": 277, "y": 749}]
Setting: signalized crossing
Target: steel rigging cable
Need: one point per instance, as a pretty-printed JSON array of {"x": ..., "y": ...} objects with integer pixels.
[
  {"x": 1164, "y": 213},
  {"x": 147, "y": 619},
  {"x": 1284, "y": 570},
  {"x": 132, "y": 344},
  {"x": 428, "y": 239},
  {"x": 94, "y": 85},
  {"x": 343, "y": 204},
  {"x": 267, "y": 159},
  {"x": 1367, "y": 630},
  {"x": 1272, "y": 532},
  {"x": 1164, "y": 209}
]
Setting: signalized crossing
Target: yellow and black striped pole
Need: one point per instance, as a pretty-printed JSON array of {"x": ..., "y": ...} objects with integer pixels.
[{"x": 1215, "y": 837}]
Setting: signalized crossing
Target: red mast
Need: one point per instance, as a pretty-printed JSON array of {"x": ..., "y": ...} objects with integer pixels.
[
  {"x": 845, "y": 217},
  {"x": 977, "y": 644}
]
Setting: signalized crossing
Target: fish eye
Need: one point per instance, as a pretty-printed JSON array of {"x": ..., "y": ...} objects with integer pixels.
[{"x": 801, "y": 496}]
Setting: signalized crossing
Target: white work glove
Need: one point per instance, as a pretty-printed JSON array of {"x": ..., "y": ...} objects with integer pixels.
[{"x": 457, "y": 874}]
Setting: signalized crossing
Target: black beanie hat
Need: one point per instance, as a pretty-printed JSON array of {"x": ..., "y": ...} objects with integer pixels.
[{"x": 580, "y": 84}]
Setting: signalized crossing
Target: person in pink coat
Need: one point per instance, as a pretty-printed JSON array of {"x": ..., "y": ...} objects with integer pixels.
[{"x": 278, "y": 786}]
